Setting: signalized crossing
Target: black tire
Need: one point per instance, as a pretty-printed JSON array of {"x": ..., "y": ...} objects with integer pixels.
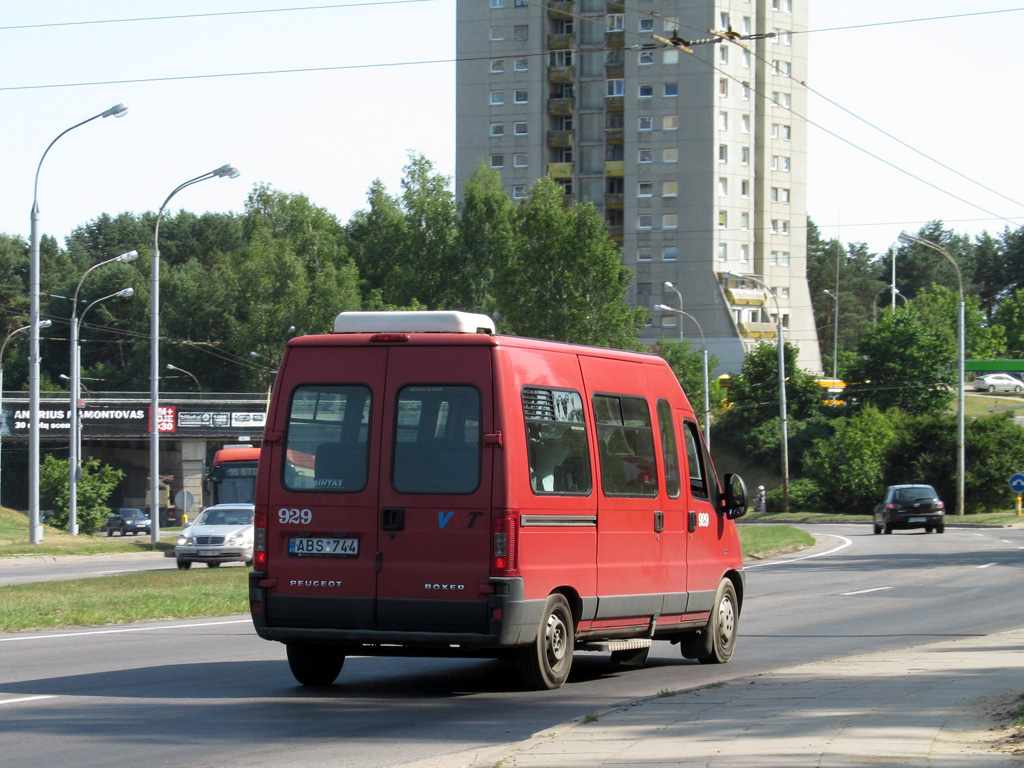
[
  {"x": 887, "y": 529},
  {"x": 940, "y": 528},
  {"x": 723, "y": 626},
  {"x": 110, "y": 531},
  {"x": 213, "y": 564},
  {"x": 315, "y": 665},
  {"x": 545, "y": 663},
  {"x": 878, "y": 528},
  {"x": 123, "y": 531},
  {"x": 184, "y": 565},
  {"x": 928, "y": 529}
]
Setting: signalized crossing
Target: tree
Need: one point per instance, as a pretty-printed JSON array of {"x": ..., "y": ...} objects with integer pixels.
[
  {"x": 939, "y": 304},
  {"x": 486, "y": 232},
  {"x": 1010, "y": 316},
  {"x": 96, "y": 484},
  {"x": 563, "y": 278},
  {"x": 687, "y": 363}
]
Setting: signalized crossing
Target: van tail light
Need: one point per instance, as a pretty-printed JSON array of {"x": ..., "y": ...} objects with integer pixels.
[
  {"x": 505, "y": 531},
  {"x": 260, "y": 521}
]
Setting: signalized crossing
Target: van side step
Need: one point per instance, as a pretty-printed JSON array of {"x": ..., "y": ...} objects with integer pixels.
[{"x": 633, "y": 644}]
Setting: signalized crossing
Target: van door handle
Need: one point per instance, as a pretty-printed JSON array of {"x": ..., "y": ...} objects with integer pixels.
[
  {"x": 659, "y": 521},
  {"x": 692, "y": 525},
  {"x": 392, "y": 519}
]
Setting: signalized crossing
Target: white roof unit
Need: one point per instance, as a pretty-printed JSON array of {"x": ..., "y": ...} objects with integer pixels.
[{"x": 412, "y": 321}]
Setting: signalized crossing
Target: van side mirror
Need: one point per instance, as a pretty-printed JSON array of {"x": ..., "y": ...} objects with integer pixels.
[{"x": 734, "y": 499}]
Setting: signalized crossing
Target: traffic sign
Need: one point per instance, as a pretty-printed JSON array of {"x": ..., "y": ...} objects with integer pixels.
[{"x": 1017, "y": 483}]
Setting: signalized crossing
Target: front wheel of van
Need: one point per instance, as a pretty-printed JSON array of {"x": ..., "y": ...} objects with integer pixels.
[
  {"x": 545, "y": 663},
  {"x": 723, "y": 625},
  {"x": 315, "y": 665}
]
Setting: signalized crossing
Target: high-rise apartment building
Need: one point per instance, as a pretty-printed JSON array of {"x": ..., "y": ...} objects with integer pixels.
[{"x": 698, "y": 160}]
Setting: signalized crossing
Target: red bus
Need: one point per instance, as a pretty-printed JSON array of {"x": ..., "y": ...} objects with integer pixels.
[
  {"x": 232, "y": 478},
  {"x": 427, "y": 487}
]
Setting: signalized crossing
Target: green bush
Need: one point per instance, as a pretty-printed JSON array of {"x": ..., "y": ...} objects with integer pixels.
[
  {"x": 95, "y": 485},
  {"x": 804, "y": 496}
]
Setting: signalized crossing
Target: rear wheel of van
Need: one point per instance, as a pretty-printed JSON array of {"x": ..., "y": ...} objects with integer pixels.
[
  {"x": 545, "y": 663},
  {"x": 315, "y": 665},
  {"x": 715, "y": 643}
]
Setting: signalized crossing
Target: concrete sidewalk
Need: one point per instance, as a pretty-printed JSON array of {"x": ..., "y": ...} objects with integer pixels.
[{"x": 927, "y": 706}]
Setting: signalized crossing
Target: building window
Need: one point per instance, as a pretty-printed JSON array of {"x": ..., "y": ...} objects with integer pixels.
[
  {"x": 643, "y": 254},
  {"x": 745, "y": 220},
  {"x": 497, "y": 33},
  {"x": 644, "y": 221},
  {"x": 723, "y": 20},
  {"x": 780, "y": 163},
  {"x": 671, "y": 24},
  {"x": 497, "y": 65},
  {"x": 521, "y": 97},
  {"x": 744, "y": 155},
  {"x": 723, "y": 153},
  {"x": 646, "y": 91},
  {"x": 670, "y": 155},
  {"x": 560, "y": 58},
  {"x": 745, "y": 91},
  {"x": 497, "y": 129},
  {"x": 519, "y": 3},
  {"x": 723, "y": 186},
  {"x": 520, "y": 129},
  {"x": 671, "y": 90},
  {"x": 646, "y": 58},
  {"x": 784, "y": 258},
  {"x": 723, "y": 121},
  {"x": 670, "y": 221},
  {"x": 783, "y": 37},
  {"x": 646, "y": 25},
  {"x": 497, "y": 161},
  {"x": 744, "y": 253},
  {"x": 522, "y": 64},
  {"x": 669, "y": 321},
  {"x": 723, "y": 54},
  {"x": 645, "y": 189},
  {"x": 782, "y": 291},
  {"x": 669, "y": 253},
  {"x": 670, "y": 123},
  {"x": 645, "y": 123},
  {"x": 497, "y": 98},
  {"x": 521, "y": 32},
  {"x": 745, "y": 188},
  {"x": 746, "y": 25},
  {"x": 645, "y": 156},
  {"x": 774, "y": 259},
  {"x": 780, "y": 227},
  {"x": 497, "y": 3},
  {"x": 781, "y": 99},
  {"x": 518, "y": 192},
  {"x": 669, "y": 188},
  {"x": 746, "y": 58},
  {"x": 745, "y": 123},
  {"x": 723, "y": 251},
  {"x": 670, "y": 56},
  {"x": 723, "y": 219},
  {"x": 519, "y": 160},
  {"x": 780, "y": 67},
  {"x": 615, "y": 87},
  {"x": 780, "y": 194},
  {"x": 723, "y": 88},
  {"x": 615, "y": 22}
]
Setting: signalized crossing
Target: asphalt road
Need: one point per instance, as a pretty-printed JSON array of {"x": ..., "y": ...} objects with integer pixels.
[{"x": 210, "y": 693}]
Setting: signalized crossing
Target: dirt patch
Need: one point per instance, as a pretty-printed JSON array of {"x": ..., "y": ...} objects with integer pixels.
[{"x": 1008, "y": 715}]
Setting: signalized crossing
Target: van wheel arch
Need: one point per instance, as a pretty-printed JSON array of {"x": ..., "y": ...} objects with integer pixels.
[
  {"x": 715, "y": 643},
  {"x": 545, "y": 662}
]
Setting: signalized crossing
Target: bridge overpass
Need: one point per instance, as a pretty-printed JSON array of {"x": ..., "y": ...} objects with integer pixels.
[{"x": 115, "y": 429}]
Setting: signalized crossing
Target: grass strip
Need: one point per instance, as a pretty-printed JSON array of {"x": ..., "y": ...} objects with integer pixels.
[
  {"x": 124, "y": 598},
  {"x": 761, "y": 541}
]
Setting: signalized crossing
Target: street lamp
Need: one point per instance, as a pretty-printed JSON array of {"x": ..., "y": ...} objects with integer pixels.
[
  {"x": 906, "y": 237},
  {"x": 835, "y": 336},
  {"x": 3, "y": 348},
  {"x": 182, "y": 370},
  {"x": 704, "y": 344},
  {"x": 874, "y": 303},
  {"x": 783, "y": 418},
  {"x": 35, "y": 533},
  {"x": 675, "y": 290},
  {"x": 230, "y": 172},
  {"x": 74, "y": 441}
]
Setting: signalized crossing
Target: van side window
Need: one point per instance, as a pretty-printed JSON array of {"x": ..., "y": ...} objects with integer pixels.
[
  {"x": 556, "y": 442},
  {"x": 326, "y": 446},
  {"x": 699, "y": 487},
  {"x": 437, "y": 439},
  {"x": 668, "y": 448},
  {"x": 625, "y": 440}
]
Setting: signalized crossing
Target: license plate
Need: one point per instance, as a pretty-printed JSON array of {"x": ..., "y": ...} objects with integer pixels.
[
  {"x": 918, "y": 520},
  {"x": 324, "y": 546},
  {"x": 210, "y": 552}
]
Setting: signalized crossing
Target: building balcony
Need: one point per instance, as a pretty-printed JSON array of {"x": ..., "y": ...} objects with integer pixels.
[
  {"x": 560, "y": 139},
  {"x": 560, "y": 10},
  {"x": 615, "y": 201},
  {"x": 614, "y": 136},
  {"x": 615, "y": 232},
  {"x": 560, "y": 106},
  {"x": 746, "y": 296},
  {"x": 560, "y": 170},
  {"x": 758, "y": 330},
  {"x": 614, "y": 167},
  {"x": 559, "y": 42},
  {"x": 615, "y": 39},
  {"x": 561, "y": 74},
  {"x": 612, "y": 6},
  {"x": 614, "y": 70},
  {"x": 614, "y": 103}
]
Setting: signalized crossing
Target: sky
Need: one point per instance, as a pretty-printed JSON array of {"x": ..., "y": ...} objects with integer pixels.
[{"x": 325, "y": 99}]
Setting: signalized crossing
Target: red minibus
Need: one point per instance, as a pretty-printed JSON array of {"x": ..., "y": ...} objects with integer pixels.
[{"x": 429, "y": 487}]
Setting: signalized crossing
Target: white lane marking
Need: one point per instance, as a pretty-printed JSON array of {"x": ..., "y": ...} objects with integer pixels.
[
  {"x": 986, "y": 565},
  {"x": 90, "y": 633},
  {"x": 25, "y": 698},
  {"x": 864, "y": 591},
  {"x": 846, "y": 542}
]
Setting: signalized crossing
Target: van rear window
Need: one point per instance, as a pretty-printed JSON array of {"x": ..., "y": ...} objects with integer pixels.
[
  {"x": 326, "y": 445},
  {"x": 437, "y": 440},
  {"x": 556, "y": 442},
  {"x": 626, "y": 446}
]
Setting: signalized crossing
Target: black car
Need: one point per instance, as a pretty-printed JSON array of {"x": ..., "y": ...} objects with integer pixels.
[
  {"x": 128, "y": 520},
  {"x": 910, "y": 506}
]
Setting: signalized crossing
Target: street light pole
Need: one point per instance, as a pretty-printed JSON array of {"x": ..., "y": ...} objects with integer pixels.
[
  {"x": 675, "y": 290},
  {"x": 835, "y": 336},
  {"x": 783, "y": 418},
  {"x": 3, "y": 348},
  {"x": 230, "y": 172},
  {"x": 704, "y": 344},
  {"x": 187, "y": 373},
  {"x": 906, "y": 237},
  {"x": 74, "y": 442},
  {"x": 35, "y": 533}
]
